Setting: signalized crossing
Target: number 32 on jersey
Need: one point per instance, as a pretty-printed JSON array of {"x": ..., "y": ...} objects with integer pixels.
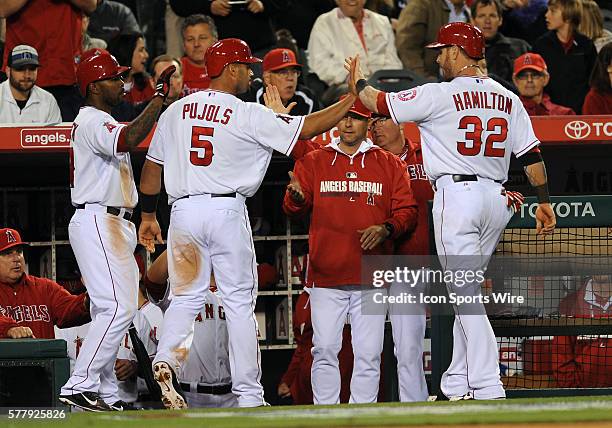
[{"x": 497, "y": 129}]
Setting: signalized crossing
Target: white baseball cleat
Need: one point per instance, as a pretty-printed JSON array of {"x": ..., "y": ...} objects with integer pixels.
[
  {"x": 467, "y": 396},
  {"x": 172, "y": 396}
]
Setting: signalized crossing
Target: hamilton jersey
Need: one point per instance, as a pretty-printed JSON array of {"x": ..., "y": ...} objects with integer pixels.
[
  {"x": 469, "y": 125},
  {"x": 99, "y": 174},
  {"x": 212, "y": 142}
]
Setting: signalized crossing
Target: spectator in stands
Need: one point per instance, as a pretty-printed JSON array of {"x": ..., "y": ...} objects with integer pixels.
[
  {"x": 250, "y": 22},
  {"x": 345, "y": 31},
  {"x": 500, "y": 51},
  {"x": 585, "y": 361},
  {"x": 530, "y": 77},
  {"x": 591, "y": 24},
  {"x": 21, "y": 101},
  {"x": 54, "y": 29},
  {"x": 418, "y": 26},
  {"x": 199, "y": 32},
  {"x": 296, "y": 381},
  {"x": 130, "y": 50},
  {"x": 599, "y": 98},
  {"x": 524, "y": 19},
  {"x": 88, "y": 41},
  {"x": 281, "y": 69},
  {"x": 112, "y": 19},
  {"x": 31, "y": 306},
  {"x": 570, "y": 55}
]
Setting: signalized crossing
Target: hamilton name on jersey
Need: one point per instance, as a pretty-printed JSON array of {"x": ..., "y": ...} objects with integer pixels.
[
  {"x": 207, "y": 112},
  {"x": 345, "y": 186},
  {"x": 483, "y": 100},
  {"x": 22, "y": 313}
]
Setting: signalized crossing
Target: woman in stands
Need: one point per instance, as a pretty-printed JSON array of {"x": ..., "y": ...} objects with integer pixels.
[
  {"x": 599, "y": 99},
  {"x": 130, "y": 50}
]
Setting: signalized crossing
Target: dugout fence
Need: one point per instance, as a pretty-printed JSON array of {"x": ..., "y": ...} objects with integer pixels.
[{"x": 558, "y": 341}]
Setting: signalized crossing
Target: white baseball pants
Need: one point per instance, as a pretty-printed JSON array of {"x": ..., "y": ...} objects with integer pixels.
[
  {"x": 213, "y": 233},
  {"x": 469, "y": 218},
  {"x": 103, "y": 245},
  {"x": 198, "y": 400},
  {"x": 329, "y": 308}
]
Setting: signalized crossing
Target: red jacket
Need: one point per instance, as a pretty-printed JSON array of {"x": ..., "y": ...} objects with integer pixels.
[
  {"x": 40, "y": 303},
  {"x": 583, "y": 361},
  {"x": 346, "y": 195},
  {"x": 297, "y": 376},
  {"x": 545, "y": 108},
  {"x": 417, "y": 242},
  {"x": 597, "y": 103},
  {"x": 194, "y": 78},
  {"x": 54, "y": 29}
]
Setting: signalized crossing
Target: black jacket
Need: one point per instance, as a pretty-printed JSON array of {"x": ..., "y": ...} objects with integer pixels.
[
  {"x": 305, "y": 99},
  {"x": 569, "y": 72},
  {"x": 500, "y": 53}
]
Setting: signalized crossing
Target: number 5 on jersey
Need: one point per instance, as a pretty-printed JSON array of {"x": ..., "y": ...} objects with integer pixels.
[{"x": 201, "y": 152}]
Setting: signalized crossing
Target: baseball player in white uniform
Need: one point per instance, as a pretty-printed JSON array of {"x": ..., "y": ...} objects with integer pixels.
[
  {"x": 205, "y": 376},
  {"x": 102, "y": 237},
  {"x": 470, "y": 125},
  {"x": 215, "y": 150}
]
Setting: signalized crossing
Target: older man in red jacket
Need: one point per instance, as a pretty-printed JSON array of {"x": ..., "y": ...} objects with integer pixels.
[
  {"x": 31, "y": 306},
  {"x": 360, "y": 199}
]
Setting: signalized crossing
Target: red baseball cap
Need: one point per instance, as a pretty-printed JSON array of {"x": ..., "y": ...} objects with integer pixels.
[
  {"x": 278, "y": 59},
  {"x": 10, "y": 238},
  {"x": 358, "y": 108},
  {"x": 531, "y": 61}
]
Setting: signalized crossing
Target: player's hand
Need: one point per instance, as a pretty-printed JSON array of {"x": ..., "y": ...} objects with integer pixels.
[
  {"x": 255, "y": 6},
  {"x": 295, "y": 190},
  {"x": 162, "y": 87},
  {"x": 125, "y": 369},
  {"x": 545, "y": 219},
  {"x": 373, "y": 236},
  {"x": 19, "y": 333},
  {"x": 149, "y": 232},
  {"x": 220, "y": 7},
  {"x": 351, "y": 64},
  {"x": 283, "y": 390},
  {"x": 514, "y": 200},
  {"x": 273, "y": 101}
]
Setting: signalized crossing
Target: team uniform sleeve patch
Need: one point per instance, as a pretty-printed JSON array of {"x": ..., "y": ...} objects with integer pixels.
[
  {"x": 410, "y": 105},
  {"x": 103, "y": 135},
  {"x": 276, "y": 131}
]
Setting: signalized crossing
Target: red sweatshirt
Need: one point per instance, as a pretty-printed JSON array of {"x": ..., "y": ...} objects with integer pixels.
[
  {"x": 40, "y": 303},
  {"x": 583, "y": 361},
  {"x": 347, "y": 194},
  {"x": 297, "y": 376},
  {"x": 417, "y": 242},
  {"x": 596, "y": 102}
]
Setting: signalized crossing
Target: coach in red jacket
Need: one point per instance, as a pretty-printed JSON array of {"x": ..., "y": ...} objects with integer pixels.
[
  {"x": 31, "y": 306},
  {"x": 585, "y": 361},
  {"x": 360, "y": 200}
]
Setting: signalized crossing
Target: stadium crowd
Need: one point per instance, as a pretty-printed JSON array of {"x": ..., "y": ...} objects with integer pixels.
[{"x": 556, "y": 55}]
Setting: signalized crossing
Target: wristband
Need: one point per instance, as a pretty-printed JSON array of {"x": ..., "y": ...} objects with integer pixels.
[
  {"x": 390, "y": 228},
  {"x": 148, "y": 203},
  {"x": 360, "y": 85},
  {"x": 542, "y": 194}
]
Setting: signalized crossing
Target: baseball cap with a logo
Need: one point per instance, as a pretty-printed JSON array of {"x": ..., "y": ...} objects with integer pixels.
[
  {"x": 23, "y": 55},
  {"x": 10, "y": 238},
  {"x": 358, "y": 108},
  {"x": 280, "y": 58},
  {"x": 529, "y": 61}
]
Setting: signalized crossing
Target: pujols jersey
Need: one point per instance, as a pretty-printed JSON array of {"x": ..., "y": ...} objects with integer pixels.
[
  {"x": 208, "y": 359},
  {"x": 98, "y": 173},
  {"x": 469, "y": 125},
  {"x": 212, "y": 142}
]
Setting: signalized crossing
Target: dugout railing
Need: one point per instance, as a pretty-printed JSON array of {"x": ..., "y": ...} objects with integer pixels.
[{"x": 549, "y": 345}]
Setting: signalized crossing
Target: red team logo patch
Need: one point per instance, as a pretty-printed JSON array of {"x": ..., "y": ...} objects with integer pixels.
[
  {"x": 109, "y": 126},
  {"x": 407, "y": 95},
  {"x": 10, "y": 238}
]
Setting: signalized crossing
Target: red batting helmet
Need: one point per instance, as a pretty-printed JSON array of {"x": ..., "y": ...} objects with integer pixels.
[
  {"x": 466, "y": 36},
  {"x": 227, "y": 51},
  {"x": 95, "y": 66}
]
